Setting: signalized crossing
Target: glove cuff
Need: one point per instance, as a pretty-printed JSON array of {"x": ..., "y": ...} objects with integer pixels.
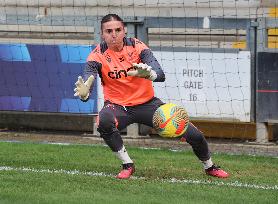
[
  {"x": 152, "y": 76},
  {"x": 85, "y": 98}
]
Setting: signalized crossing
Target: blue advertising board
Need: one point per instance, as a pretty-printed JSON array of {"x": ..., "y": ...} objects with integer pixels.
[{"x": 40, "y": 78}]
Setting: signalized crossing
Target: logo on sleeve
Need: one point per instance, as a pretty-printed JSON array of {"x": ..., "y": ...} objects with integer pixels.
[
  {"x": 96, "y": 51},
  {"x": 138, "y": 42}
]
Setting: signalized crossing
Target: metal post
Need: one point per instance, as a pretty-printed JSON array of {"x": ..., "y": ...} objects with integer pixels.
[
  {"x": 142, "y": 31},
  {"x": 130, "y": 30},
  {"x": 261, "y": 128},
  {"x": 261, "y": 133},
  {"x": 251, "y": 37},
  {"x": 133, "y": 129},
  {"x": 97, "y": 39}
]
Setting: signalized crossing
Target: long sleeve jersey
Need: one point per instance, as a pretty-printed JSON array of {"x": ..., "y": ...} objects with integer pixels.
[{"x": 112, "y": 68}]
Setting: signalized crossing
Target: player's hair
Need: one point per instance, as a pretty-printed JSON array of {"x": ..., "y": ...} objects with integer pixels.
[{"x": 110, "y": 17}]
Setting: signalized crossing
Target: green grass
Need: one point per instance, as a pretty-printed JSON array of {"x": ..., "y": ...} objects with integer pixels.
[{"x": 156, "y": 166}]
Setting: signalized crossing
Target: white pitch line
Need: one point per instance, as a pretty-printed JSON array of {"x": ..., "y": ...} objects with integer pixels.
[{"x": 172, "y": 180}]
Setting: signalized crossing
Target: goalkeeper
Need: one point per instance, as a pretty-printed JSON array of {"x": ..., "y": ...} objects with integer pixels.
[{"x": 127, "y": 69}]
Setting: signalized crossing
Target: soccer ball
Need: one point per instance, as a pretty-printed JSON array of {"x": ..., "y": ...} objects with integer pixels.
[{"x": 170, "y": 120}]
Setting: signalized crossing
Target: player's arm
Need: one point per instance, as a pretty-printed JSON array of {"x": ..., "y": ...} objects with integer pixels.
[
  {"x": 84, "y": 84},
  {"x": 148, "y": 58},
  {"x": 149, "y": 68}
]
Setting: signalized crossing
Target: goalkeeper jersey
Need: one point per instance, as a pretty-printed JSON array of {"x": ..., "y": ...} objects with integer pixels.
[{"x": 112, "y": 68}]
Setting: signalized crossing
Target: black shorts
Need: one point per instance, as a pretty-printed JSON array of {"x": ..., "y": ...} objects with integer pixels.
[{"x": 126, "y": 115}]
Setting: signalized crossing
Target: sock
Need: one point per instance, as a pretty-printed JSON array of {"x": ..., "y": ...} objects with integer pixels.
[
  {"x": 123, "y": 156},
  {"x": 207, "y": 164}
]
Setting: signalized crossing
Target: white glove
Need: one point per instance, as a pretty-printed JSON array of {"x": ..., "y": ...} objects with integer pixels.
[
  {"x": 83, "y": 89},
  {"x": 143, "y": 71}
]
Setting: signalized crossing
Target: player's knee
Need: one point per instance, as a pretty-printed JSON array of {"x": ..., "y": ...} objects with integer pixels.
[
  {"x": 109, "y": 132},
  {"x": 106, "y": 123},
  {"x": 194, "y": 136},
  {"x": 198, "y": 142}
]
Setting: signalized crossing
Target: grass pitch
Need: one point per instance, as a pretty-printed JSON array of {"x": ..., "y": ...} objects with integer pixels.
[{"x": 47, "y": 173}]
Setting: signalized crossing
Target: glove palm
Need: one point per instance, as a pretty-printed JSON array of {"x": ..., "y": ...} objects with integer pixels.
[
  {"x": 83, "y": 88},
  {"x": 142, "y": 71}
]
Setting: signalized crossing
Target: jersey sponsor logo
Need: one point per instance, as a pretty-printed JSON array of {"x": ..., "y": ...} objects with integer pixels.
[{"x": 117, "y": 74}]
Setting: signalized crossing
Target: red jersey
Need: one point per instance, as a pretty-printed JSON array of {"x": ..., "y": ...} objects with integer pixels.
[{"x": 113, "y": 66}]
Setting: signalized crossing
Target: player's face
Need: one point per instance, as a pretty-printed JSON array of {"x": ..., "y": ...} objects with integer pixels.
[{"x": 113, "y": 33}]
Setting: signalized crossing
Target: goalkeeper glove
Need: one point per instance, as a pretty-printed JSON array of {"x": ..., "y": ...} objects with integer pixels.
[
  {"x": 143, "y": 71},
  {"x": 83, "y": 89}
]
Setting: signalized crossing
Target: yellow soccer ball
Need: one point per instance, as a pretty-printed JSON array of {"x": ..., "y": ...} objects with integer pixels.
[{"x": 170, "y": 120}]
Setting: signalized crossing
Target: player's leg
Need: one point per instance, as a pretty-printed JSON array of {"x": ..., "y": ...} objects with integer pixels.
[
  {"x": 200, "y": 147},
  {"x": 144, "y": 113},
  {"x": 193, "y": 136},
  {"x": 112, "y": 119}
]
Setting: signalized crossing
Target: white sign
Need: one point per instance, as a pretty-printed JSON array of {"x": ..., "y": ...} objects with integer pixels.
[{"x": 208, "y": 85}]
